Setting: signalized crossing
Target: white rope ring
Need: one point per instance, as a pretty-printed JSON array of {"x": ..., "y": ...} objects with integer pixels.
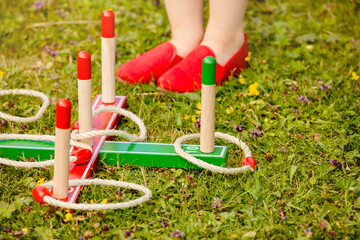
[
  {"x": 44, "y": 163},
  {"x": 26, "y": 92},
  {"x": 211, "y": 167},
  {"x": 98, "y": 206},
  {"x": 113, "y": 132}
]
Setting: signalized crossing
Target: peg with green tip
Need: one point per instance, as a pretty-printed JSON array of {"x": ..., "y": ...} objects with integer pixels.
[{"x": 208, "y": 92}]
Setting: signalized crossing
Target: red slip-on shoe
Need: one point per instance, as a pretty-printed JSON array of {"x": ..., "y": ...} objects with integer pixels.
[
  {"x": 151, "y": 64},
  {"x": 186, "y": 76}
]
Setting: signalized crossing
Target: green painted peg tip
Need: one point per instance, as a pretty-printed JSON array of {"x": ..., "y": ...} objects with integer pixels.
[{"x": 209, "y": 71}]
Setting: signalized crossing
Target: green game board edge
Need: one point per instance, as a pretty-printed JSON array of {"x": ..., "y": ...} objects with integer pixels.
[{"x": 110, "y": 160}]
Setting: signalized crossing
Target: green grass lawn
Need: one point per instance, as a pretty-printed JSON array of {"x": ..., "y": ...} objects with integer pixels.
[{"x": 305, "y": 59}]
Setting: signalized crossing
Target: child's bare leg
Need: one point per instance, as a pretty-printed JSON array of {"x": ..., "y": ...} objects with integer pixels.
[
  {"x": 186, "y": 21},
  {"x": 225, "y": 30}
]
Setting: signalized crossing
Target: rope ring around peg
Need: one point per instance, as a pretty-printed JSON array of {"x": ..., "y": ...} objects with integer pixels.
[
  {"x": 26, "y": 92},
  {"x": 98, "y": 206},
  {"x": 211, "y": 167},
  {"x": 44, "y": 163}
]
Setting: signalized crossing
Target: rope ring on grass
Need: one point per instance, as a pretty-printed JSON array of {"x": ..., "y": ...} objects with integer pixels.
[
  {"x": 26, "y": 92},
  {"x": 211, "y": 167},
  {"x": 98, "y": 206}
]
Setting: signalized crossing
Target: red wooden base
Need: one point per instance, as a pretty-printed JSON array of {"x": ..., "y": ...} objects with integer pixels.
[{"x": 104, "y": 121}]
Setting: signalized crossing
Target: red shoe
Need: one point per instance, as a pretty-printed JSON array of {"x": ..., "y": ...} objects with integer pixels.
[
  {"x": 186, "y": 76},
  {"x": 151, "y": 64}
]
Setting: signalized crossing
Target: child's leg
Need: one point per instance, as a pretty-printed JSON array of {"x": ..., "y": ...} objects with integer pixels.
[
  {"x": 224, "y": 39},
  {"x": 225, "y": 30},
  {"x": 186, "y": 21}
]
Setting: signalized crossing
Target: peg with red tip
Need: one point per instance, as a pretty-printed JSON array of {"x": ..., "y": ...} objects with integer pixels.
[
  {"x": 108, "y": 47},
  {"x": 62, "y": 148},
  {"x": 84, "y": 94}
]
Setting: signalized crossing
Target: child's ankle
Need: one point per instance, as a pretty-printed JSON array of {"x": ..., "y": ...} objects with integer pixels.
[
  {"x": 224, "y": 48},
  {"x": 185, "y": 44}
]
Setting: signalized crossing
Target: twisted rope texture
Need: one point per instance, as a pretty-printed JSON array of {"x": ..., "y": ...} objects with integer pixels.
[{"x": 208, "y": 166}]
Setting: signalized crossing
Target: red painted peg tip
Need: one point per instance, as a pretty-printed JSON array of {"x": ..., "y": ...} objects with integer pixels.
[
  {"x": 249, "y": 161},
  {"x": 39, "y": 192},
  {"x": 107, "y": 24},
  {"x": 84, "y": 65},
  {"x": 63, "y": 114},
  {"x": 82, "y": 155}
]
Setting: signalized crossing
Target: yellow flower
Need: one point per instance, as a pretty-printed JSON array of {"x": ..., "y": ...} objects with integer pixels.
[
  {"x": 354, "y": 76},
  {"x": 248, "y": 57},
  {"x": 253, "y": 89},
  {"x": 68, "y": 216},
  {"x": 193, "y": 119},
  {"x": 229, "y": 110},
  {"x": 186, "y": 117},
  {"x": 1, "y": 74},
  {"x": 41, "y": 181},
  {"x": 253, "y": 92},
  {"x": 104, "y": 201},
  {"x": 25, "y": 231},
  {"x": 241, "y": 80},
  {"x": 91, "y": 201},
  {"x": 254, "y": 85},
  {"x": 309, "y": 47},
  {"x": 197, "y": 112},
  {"x": 198, "y": 105}
]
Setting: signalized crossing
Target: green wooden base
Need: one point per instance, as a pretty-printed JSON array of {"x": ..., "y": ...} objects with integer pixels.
[{"x": 120, "y": 153}]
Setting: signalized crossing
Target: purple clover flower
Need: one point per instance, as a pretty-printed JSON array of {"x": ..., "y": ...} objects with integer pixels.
[
  {"x": 177, "y": 234},
  {"x": 73, "y": 43},
  {"x": 322, "y": 224},
  {"x": 302, "y": 98},
  {"x": 294, "y": 88},
  {"x": 308, "y": 232},
  {"x": 331, "y": 232},
  {"x": 198, "y": 123},
  {"x": 217, "y": 204},
  {"x": 62, "y": 14},
  {"x": 2, "y": 123},
  {"x": 165, "y": 224},
  {"x": 297, "y": 112},
  {"x": 105, "y": 228},
  {"x": 238, "y": 128},
  {"x": 325, "y": 87},
  {"x": 39, "y": 4},
  {"x": 335, "y": 163},
  {"x": 50, "y": 52},
  {"x": 127, "y": 233},
  {"x": 90, "y": 38},
  {"x": 157, "y": 2},
  {"x": 282, "y": 213},
  {"x": 259, "y": 127},
  {"x": 255, "y": 133}
]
